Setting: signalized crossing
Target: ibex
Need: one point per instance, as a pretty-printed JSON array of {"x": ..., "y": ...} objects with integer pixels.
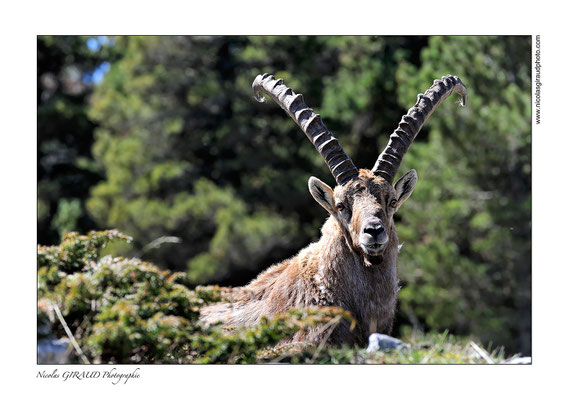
[{"x": 354, "y": 264}]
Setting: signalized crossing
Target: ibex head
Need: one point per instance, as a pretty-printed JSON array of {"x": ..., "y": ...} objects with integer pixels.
[
  {"x": 364, "y": 202},
  {"x": 364, "y": 208}
]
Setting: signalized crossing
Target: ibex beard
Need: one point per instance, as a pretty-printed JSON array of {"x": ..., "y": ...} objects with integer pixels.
[{"x": 354, "y": 264}]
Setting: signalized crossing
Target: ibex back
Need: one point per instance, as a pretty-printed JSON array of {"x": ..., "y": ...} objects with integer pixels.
[{"x": 354, "y": 264}]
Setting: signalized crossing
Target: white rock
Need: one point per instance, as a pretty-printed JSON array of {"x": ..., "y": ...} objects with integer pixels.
[{"x": 379, "y": 341}]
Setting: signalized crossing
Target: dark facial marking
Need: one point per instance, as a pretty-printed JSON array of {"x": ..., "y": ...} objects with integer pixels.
[{"x": 321, "y": 193}]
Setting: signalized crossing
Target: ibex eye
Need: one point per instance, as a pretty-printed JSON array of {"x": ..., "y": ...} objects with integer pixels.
[
  {"x": 340, "y": 206},
  {"x": 393, "y": 203}
]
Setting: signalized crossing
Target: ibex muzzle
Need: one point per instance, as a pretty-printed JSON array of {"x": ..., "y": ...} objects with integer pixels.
[
  {"x": 354, "y": 264},
  {"x": 374, "y": 237}
]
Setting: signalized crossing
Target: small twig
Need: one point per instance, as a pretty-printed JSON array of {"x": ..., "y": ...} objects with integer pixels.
[
  {"x": 80, "y": 329},
  {"x": 330, "y": 328},
  {"x": 160, "y": 241},
  {"x": 427, "y": 357},
  {"x": 231, "y": 359},
  {"x": 281, "y": 356},
  {"x": 69, "y": 334},
  {"x": 481, "y": 352}
]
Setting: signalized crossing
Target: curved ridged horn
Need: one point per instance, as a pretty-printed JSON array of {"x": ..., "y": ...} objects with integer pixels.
[
  {"x": 388, "y": 161},
  {"x": 341, "y": 166}
]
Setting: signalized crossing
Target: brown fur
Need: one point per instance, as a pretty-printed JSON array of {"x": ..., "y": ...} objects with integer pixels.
[{"x": 331, "y": 272}]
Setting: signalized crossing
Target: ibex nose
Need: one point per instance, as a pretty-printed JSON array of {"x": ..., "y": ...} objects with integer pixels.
[{"x": 374, "y": 228}]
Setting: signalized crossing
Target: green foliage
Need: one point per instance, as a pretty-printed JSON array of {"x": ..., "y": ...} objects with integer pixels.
[
  {"x": 423, "y": 349},
  {"x": 254, "y": 344},
  {"x": 468, "y": 263},
  {"x": 125, "y": 309},
  {"x": 68, "y": 212},
  {"x": 66, "y": 169},
  {"x": 188, "y": 152},
  {"x": 128, "y": 311}
]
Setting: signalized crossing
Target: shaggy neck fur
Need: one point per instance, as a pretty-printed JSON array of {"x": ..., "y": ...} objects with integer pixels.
[{"x": 326, "y": 273}]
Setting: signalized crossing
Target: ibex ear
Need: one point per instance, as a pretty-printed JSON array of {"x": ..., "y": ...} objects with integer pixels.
[
  {"x": 405, "y": 186},
  {"x": 322, "y": 193}
]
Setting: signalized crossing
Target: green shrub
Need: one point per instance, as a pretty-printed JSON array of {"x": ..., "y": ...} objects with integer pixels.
[{"x": 128, "y": 311}]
